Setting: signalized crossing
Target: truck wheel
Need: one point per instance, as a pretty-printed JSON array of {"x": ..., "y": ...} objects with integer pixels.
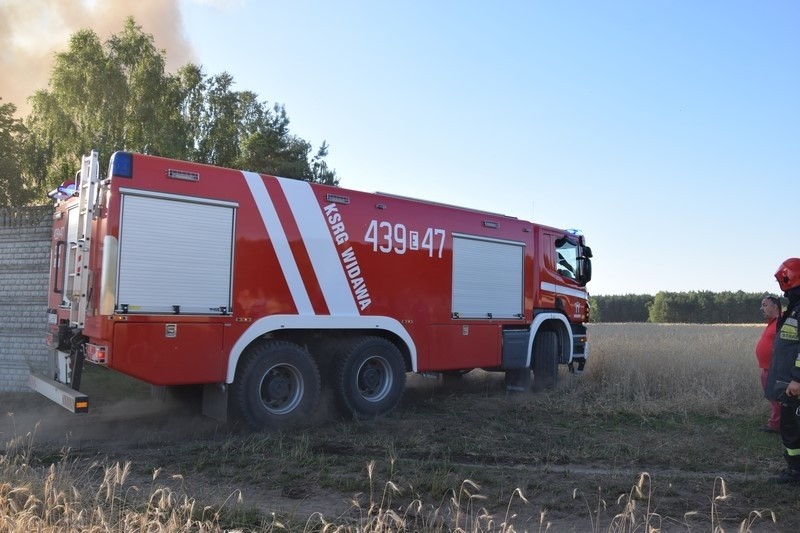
[
  {"x": 370, "y": 378},
  {"x": 277, "y": 385},
  {"x": 545, "y": 361}
]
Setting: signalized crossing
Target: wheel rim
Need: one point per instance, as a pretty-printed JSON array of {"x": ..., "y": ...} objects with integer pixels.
[
  {"x": 375, "y": 379},
  {"x": 281, "y": 389}
]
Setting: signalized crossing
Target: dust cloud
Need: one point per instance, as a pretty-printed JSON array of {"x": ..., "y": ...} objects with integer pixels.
[
  {"x": 121, "y": 424},
  {"x": 33, "y": 31}
]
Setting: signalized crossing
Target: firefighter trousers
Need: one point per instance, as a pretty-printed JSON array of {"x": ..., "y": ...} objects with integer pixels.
[{"x": 790, "y": 433}]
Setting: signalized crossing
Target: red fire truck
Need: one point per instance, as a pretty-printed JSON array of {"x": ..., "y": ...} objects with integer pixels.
[{"x": 263, "y": 290}]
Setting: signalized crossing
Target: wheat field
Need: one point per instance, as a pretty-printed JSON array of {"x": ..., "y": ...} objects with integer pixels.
[{"x": 693, "y": 368}]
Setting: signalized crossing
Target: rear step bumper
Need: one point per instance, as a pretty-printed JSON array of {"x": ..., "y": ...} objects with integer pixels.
[{"x": 66, "y": 397}]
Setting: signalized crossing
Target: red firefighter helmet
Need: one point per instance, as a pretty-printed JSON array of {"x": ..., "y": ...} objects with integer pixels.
[{"x": 788, "y": 274}]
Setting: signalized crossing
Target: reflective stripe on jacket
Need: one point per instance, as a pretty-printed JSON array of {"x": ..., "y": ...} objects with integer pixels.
[{"x": 784, "y": 353}]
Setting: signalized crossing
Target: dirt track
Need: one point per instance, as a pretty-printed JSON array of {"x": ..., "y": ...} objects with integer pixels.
[{"x": 578, "y": 495}]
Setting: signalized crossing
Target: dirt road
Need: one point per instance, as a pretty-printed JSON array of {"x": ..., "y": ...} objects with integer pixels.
[{"x": 525, "y": 455}]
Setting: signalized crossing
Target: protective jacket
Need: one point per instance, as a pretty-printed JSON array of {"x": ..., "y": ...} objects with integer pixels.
[{"x": 785, "y": 364}]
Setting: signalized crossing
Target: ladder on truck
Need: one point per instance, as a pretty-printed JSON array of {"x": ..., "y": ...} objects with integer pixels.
[
  {"x": 59, "y": 387},
  {"x": 87, "y": 199}
]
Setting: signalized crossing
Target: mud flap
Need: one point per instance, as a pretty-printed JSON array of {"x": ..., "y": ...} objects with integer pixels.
[
  {"x": 215, "y": 401},
  {"x": 518, "y": 380}
]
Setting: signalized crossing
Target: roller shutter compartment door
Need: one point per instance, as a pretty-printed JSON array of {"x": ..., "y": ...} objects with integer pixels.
[
  {"x": 175, "y": 255},
  {"x": 487, "y": 278}
]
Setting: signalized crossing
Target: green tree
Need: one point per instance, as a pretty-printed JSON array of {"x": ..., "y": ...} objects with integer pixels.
[
  {"x": 269, "y": 146},
  {"x": 192, "y": 87},
  {"x": 596, "y": 309},
  {"x": 80, "y": 111},
  {"x": 218, "y": 143},
  {"x": 117, "y": 96},
  {"x": 13, "y": 190},
  {"x": 705, "y": 307},
  {"x": 148, "y": 97},
  {"x": 621, "y": 308},
  {"x": 661, "y": 310},
  {"x": 320, "y": 172},
  {"x": 234, "y": 129}
]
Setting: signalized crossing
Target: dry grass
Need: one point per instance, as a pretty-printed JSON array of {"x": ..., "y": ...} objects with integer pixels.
[
  {"x": 676, "y": 368},
  {"x": 70, "y": 497},
  {"x": 640, "y": 369}
]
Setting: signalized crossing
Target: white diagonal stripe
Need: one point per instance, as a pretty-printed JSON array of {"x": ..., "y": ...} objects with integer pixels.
[
  {"x": 321, "y": 249},
  {"x": 280, "y": 243}
]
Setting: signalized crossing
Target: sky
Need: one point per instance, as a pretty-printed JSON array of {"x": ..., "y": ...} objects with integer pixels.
[{"x": 667, "y": 132}]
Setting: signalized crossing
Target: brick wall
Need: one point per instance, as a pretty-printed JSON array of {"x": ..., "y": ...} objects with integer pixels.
[{"x": 24, "y": 270}]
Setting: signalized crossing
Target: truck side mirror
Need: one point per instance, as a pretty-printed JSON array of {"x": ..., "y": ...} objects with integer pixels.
[{"x": 584, "y": 269}]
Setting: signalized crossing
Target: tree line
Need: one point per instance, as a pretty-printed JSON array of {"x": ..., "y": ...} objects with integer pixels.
[
  {"x": 694, "y": 307},
  {"x": 117, "y": 95}
]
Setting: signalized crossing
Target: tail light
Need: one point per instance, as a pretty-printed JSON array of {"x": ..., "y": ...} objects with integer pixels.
[{"x": 96, "y": 354}]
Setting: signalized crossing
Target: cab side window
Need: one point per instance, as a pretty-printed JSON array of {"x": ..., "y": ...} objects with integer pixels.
[{"x": 566, "y": 258}]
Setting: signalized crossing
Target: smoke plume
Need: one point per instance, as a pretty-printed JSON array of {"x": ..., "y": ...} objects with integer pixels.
[{"x": 32, "y": 31}]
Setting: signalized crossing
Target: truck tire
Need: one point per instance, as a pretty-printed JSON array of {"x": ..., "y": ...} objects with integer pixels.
[
  {"x": 277, "y": 385},
  {"x": 545, "y": 361},
  {"x": 370, "y": 378}
]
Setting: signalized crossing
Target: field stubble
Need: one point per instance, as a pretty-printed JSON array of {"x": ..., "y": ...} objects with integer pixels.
[{"x": 659, "y": 434}]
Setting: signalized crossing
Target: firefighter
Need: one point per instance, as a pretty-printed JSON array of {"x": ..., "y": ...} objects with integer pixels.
[
  {"x": 783, "y": 380},
  {"x": 771, "y": 309}
]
